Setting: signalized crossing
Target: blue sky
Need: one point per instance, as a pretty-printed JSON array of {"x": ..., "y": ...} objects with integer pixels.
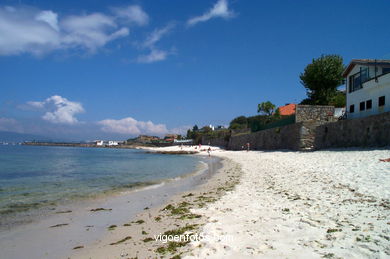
[{"x": 93, "y": 69}]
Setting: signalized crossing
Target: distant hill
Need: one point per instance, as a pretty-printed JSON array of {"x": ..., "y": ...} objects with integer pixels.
[{"x": 6, "y": 136}]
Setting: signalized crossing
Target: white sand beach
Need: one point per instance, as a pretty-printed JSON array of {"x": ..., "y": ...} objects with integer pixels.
[
  {"x": 323, "y": 204},
  {"x": 260, "y": 204},
  {"x": 331, "y": 204}
]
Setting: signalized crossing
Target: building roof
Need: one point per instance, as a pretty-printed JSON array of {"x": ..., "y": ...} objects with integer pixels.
[
  {"x": 377, "y": 62},
  {"x": 288, "y": 109}
]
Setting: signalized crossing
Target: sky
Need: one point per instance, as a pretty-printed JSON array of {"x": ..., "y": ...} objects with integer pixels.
[{"x": 90, "y": 69}]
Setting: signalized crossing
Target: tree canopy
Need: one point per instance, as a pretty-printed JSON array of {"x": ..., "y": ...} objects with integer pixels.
[
  {"x": 266, "y": 108},
  {"x": 321, "y": 79}
]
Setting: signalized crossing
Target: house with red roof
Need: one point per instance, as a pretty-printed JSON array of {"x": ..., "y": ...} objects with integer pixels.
[{"x": 288, "y": 109}]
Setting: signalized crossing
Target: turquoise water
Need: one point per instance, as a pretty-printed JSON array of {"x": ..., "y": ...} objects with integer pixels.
[{"x": 32, "y": 177}]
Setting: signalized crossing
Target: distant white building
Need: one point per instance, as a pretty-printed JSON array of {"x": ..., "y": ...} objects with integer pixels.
[
  {"x": 368, "y": 87},
  {"x": 113, "y": 143},
  {"x": 99, "y": 142}
]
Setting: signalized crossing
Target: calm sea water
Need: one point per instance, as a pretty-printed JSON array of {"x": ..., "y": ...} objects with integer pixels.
[{"x": 32, "y": 177}]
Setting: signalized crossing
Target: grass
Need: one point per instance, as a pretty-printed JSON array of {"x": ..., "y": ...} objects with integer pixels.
[
  {"x": 140, "y": 221},
  {"x": 158, "y": 218},
  {"x": 144, "y": 232}
]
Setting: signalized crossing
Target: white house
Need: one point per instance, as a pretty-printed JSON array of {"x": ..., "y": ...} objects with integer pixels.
[
  {"x": 99, "y": 142},
  {"x": 368, "y": 87},
  {"x": 113, "y": 143}
]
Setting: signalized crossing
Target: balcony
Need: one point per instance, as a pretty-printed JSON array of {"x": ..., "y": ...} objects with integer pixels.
[{"x": 357, "y": 80}]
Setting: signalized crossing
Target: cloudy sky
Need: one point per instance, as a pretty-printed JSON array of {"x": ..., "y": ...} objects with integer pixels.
[{"x": 90, "y": 69}]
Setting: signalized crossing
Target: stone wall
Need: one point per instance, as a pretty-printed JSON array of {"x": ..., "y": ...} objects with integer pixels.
[
  {"x": 314, "y": 113},
  {"x": 287, "y": 137},
  {"x": 217, "y": 142},
  {"x": 372, "y": 131},
  {"x": 315, "y": 133}
]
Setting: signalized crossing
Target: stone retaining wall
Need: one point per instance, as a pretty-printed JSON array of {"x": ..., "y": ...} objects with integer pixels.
[
  {"x": 314, "y": 113},
  {"x": 372, "y": 131}
]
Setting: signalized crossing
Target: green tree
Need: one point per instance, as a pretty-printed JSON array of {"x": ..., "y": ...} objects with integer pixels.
[
  {"x": 266, "y": 108},
  {"x": 189, "y": 134},
  {"x": 322, "y": 77},
  {"x": 195, "y": 128},
  {"x": 277, "y": 114},
  {"x": 338, "y": 100},
  {"x": 206, "y": 129},
  {"x": 240, "y": 122}
]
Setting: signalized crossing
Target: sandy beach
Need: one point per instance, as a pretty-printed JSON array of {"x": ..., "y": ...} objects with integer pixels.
[
  {"x": 257, "y": 204},
  {"x": 281, "y": 204},
  {"x": 137, "y": 238}
]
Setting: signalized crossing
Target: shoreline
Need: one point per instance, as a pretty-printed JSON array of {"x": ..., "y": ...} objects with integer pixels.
[
  {"x": 87, "y": 221},
  {"x": 136, "y": 239},
  {"x": 41, "y": 207},
  {"x": 323, "y": 204},
  {"x": 261, "y": 204}
]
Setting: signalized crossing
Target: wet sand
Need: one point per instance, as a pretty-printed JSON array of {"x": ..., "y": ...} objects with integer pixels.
[
  {"x": 87, "y": 222},
  {"x": 136, "y": 238}
]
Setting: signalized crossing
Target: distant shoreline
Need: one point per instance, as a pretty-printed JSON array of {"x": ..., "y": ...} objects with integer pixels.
[{"x": 64, "y": 144}]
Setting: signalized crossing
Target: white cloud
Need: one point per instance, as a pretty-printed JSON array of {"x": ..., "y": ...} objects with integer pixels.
[
  {"x": 91, "y": 31},
  {"x": 156, "y": 35},
  {"x": 59, "y": 109},
  {"x": 220, "y": 9},
  {"x": 132, "y": 14},
  {"x": 131, "y": 126},
  {"x": 155, "y": 55},
  {"x": 34, "y": 31},
  {"x": 49, "y": 17},
  {"x": 24, "y": 30}
]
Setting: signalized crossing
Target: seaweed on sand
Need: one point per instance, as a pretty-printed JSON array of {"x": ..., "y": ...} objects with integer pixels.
[{"x": 121, "y": 241}]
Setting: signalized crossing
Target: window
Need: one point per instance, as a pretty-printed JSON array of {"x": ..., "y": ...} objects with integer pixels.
[
  {"x": 364, "y": 74},
  {"x": 355, "y": 82},
  {"x": 352, "y": 108},
  {"x": 362, "y": 106},
  {"x": 381, "y": 101},
  {"x": 368, "y": 104}
]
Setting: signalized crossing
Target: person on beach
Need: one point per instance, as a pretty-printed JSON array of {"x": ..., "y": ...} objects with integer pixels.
[
  {"x": 209, "y": 151},
  {"x": 385, "y": 160},
  {"x": 248, "y": 146}
]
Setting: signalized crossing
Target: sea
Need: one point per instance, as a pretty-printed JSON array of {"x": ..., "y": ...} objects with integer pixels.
[{"x": 37, "y": 179}]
